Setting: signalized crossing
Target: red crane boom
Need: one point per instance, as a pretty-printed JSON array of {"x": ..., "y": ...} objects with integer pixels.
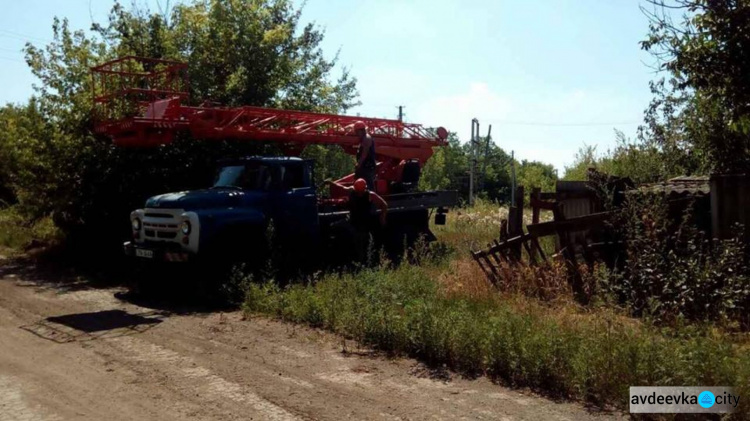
[{"x": 138, "y": 102}]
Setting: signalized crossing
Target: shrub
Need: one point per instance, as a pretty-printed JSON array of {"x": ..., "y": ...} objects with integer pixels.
[
  {"x": 673, "y": 272},
  {"x": 18, "y": 232}
]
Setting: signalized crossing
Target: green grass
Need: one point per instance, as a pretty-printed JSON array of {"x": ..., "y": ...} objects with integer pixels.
[
  {"x": 591, "y": 357},
  {"x": 472, "y": 228}
]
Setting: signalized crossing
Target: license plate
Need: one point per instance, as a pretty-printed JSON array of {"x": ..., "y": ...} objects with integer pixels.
[{"x": 148, "y": 254}]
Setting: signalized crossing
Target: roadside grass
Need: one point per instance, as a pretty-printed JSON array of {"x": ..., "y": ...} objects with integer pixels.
[
  {"x": 562, "y": 351},
  {"x": 444, "y": 312}
]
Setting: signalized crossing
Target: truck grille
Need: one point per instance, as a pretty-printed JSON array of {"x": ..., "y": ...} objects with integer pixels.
[
  {"x": 158, "y": 215},
  {"x": 165, "y": 226},
  {"x": 162, "y": 225}
]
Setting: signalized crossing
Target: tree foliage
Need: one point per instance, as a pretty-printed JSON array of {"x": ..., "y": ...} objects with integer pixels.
[
  {"x": 642, "y": 162},
  {"x": 700, "y": 114},
  {"x": 699, "y": 118},
  {"x": 240, "y": 52},
  {"x": 449, "y": 169},
  {"x": 532, "y": 174},
  {"x": 494, "y": 167}
]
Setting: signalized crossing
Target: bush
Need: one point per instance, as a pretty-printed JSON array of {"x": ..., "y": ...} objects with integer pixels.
[
  {"x": 18, "y": 232},
  {"x": 672, "y": 272}
]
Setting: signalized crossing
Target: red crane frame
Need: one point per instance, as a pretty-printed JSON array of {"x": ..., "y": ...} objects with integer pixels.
[{"x": 139, "y": 102}]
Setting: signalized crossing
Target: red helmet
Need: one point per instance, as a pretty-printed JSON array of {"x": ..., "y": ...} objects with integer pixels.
[
  {"x": 360, "y": 185},
  {"x": 359, "y": 125}
]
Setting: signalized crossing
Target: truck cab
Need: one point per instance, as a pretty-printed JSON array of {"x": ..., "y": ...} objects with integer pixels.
[{"x": 232, "y": 216}]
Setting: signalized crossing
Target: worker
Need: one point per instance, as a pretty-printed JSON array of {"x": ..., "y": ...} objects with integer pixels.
[
  {"x": 360, "y": 203},
  {"x": 365, "y": 168}
]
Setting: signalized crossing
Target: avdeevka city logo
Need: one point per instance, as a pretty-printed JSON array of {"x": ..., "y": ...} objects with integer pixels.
[{"x": 706, "y": 399}]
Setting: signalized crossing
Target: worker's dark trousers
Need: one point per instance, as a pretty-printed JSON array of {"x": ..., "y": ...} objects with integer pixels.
[
  {"x": 362, "y": 241},
  {"x": 368, "y": 174}
]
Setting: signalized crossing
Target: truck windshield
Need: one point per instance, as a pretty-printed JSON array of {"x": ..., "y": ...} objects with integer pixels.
[{"x": 251, "y": 176}]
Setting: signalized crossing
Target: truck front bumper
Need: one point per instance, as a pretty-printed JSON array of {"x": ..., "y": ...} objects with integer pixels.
[{"x": 155, "y": 253}]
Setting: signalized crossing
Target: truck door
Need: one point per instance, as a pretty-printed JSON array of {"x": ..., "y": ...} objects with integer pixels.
[{"x": 296, "y": 203}]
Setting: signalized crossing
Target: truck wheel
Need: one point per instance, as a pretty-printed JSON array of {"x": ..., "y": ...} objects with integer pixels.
[
  {"x": 150, "y": 280},
  {"x": 238, "y": 247}
]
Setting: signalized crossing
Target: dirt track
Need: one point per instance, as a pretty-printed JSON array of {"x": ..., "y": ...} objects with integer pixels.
[{"x": 71, "y": 351}]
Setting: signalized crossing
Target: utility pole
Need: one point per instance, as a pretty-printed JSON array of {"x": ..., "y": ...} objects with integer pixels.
[
  {"x": 400, "y": 113},
  {"x": 473, "y": 146},
  {"x": 513, "y": 178},
  {"x": 486, "y": 154}
]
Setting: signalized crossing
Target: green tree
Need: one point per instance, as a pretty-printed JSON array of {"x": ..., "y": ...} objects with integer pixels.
[
  {"x": 532, "y": 174},
  {"x": 447, "y": 169},
  {"x": 25, "y": 148},
  {"x": 700, "y": 115},
  {"x": 642, "y": 162},
  {"x": 331, "y": 162},
  {"x": 496, "y": 184},
  {"x": 585, "y": 158},
  {"x": 240, "y": 52}
]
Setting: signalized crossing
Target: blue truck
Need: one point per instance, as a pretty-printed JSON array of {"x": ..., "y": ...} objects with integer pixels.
[{"x": 230, "y": 220}]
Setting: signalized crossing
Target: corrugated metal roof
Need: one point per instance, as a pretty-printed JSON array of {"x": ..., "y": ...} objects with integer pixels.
[{"x": 679, "y": 186}]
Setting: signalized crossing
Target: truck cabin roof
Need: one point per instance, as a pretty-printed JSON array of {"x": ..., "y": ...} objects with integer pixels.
[{"x": 264, "y": 159}]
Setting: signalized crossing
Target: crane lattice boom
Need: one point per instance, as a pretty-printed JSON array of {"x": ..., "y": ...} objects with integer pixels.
[{"x": 140, "y": 102}]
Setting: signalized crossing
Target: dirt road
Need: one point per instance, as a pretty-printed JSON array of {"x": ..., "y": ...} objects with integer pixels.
[{"x": 70, "y": 351}]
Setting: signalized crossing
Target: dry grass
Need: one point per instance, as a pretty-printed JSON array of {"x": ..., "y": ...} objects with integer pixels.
[
  {"x": 472, "y": 228},
  {"x": 462, "y": 277}
]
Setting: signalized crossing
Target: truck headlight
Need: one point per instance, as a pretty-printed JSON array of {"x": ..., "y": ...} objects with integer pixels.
[
  {"x": 136, "y": 224},
  {"x": 185, "y": 227}
]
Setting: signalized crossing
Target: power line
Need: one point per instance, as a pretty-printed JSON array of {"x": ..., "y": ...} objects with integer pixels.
[
  {"x": 11, "y": 50},
  {"x": 22, "y": 37},
  {"x": 549, "y": 124},
  {"x": 12, "y": 59},
  {"x": 13, "y": 37}
]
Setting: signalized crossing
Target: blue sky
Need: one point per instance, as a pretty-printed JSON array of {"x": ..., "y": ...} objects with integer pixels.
[{"x": 549, "y": 75}]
